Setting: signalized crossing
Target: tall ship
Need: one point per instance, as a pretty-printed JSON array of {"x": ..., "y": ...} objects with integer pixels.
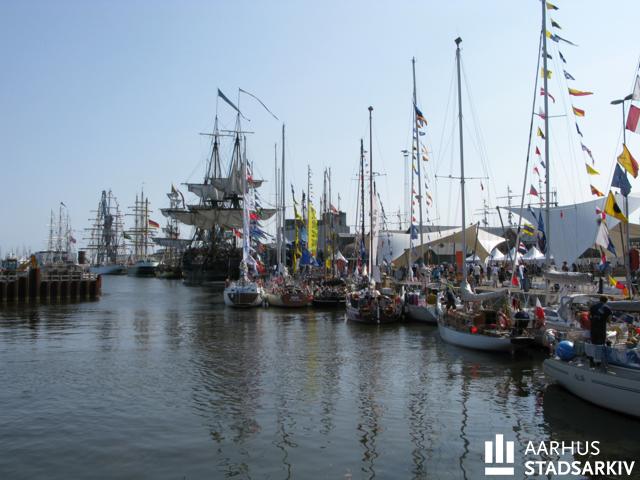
[
  {"x": 172, "y": 245},
  {"x": 106, "y": 247},
  {"x": 141, "y": 263},
  {"x": 213, "y": 255}
]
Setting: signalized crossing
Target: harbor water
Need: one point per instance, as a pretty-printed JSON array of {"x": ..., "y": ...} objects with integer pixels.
[{"x": 158, "y": 380}]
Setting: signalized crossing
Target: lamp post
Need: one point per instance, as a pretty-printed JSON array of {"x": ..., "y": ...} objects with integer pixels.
[{"x": 627, "y": 257}]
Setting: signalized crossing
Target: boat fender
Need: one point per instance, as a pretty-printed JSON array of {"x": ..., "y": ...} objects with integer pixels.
[
  {"x": 565, "y": 350},
  {"x": 473, "y": 329}
]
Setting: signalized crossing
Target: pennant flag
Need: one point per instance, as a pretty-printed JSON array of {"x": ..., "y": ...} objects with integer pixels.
[
  {"x": 611, "y": 208},
  {"x": 535, "y": 170},
  {"x": 633, "y": 124},
  {"x": 558, "y": 37},
  {"x": 561, "y": 57},
  {"x": 578, "y": 93},
  {"x": 578, "y": 129},
  {"x": 481, "y": 187},
  {"x": 551, "y": 6},
  {"x": 591, "y": 170},
  {"x": 537, "y": 151},
  {"x": 540, "y": 134},
  {"x": 549, "y": 57},
  {"x": 543, "y": 164},
  {"x": 528, "y": 229},
  {"x": 543, "y": 92},
  {"x": 596, "y": 192},
  {"x": 533, "y": 191},
  {"x": 229, "y": 102},
  {"x": 628, "y": 162},
  {"x": 585, "y": 149},
  {"x": 549, "y": 73},
  {"x": 420, "y": 118},
  {"x": 127, "y": 236},
  {"x": 421, "y": 134},
  {"x": 578, "y": 112},
  {"x": 555, "y": 24},
  {"x": 568, "y": 76},
  {"x": 621, "y": 181},
  {"x": 553, "y": 37},
  {"x": 636, "y": 89},
  {"x": 153, "y": 224},
  {"x": 541, "y": 113}
]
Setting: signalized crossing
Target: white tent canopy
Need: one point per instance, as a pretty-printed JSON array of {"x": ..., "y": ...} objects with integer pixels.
[
  {"x": 473, "y": 258},
  {"x": 533, "y": 255},
  {"x": 497, "y": 256},
  {"x": 513, "y": 254},
  {"x": 482, "y": 241},
  {"x": 573, "y": 228}
]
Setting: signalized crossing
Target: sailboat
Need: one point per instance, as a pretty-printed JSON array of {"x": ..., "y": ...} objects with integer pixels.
[
  {"x": 244, "y": 292},
  {"x": 477, "y": 327},
  {"x": 106, "y": 241},
  {"x": 421, "y": 304},
  {"x": 170, "y": 266},
  {"x": 368, "y": 304},
  {"x": 212, "y": 256},
  {"x": 142, "y": 264}
]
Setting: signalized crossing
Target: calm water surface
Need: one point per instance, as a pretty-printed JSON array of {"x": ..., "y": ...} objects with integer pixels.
[{"x": 157, "y": 380}]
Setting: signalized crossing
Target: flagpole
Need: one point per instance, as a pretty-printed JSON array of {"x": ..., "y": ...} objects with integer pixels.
[
  {"x": 417, "y": 137},
  {"x": 547, "y": 233},
  {"x": 283, "y": 214}
]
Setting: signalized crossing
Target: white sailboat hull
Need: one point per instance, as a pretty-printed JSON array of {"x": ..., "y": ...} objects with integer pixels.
[
  {"x": 474, "y": 340},
  {"x": 243, "y": 296},
  {"x": 114, "y": 269},
  {"x": 424, "y": 313},
  {"x": 617, "y": 388},
  {"x": 143, "y": 268}
]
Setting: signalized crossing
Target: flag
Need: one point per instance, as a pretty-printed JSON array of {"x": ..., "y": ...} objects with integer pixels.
[
  {"x": 578, "y": 93},
  {"x": 541, "y": 113},
  {"x": 522, "y": 248},
  {"x": 543, "y": 92},
  {"x": 578, "y": 129},
  {"x": 555, "y": 24},
  {"x": 611, "y": 208},
  {"x": 596, "y": 192},
  {"x": 561, "y": 57},
  {"x": 540, "y": 134},
  {"x": 543, "y": 164},
  {"x": 71, "y": 239},
  {"x": 173, "y": 189},
  {"x": 626, "y": 160},
  {"x": 568, "y": 76},
  {"x": 481, "y": 187},
  {"x": 621, "y": 181},
  {"x": 636, "y": 89},
  {"x": 237, "y": 233},
  {"x": 632, "y": 120},
  {"x": 261, "y": 103},
  {"x": 539, "y": 311},
  {"x": 333, "y": 209},
  {"x": 549, "y": 57},
  {"x": 538, "y": 151},
  {"x": 558, "y": 37},
  {"x": 585, "y": 149},
  {"x": 535, "y": 170},
  {"x": 231, "y": 104},
  {"x": 578, "y": 112},
  {"x": 420, "y": 118},
  {"x": 591, "y": 170},
  {"x": 551, "y": 6},
  {"x": 533, "y": 191},
  {"x": 528, "y": 229},
  {"x": 549, "y": 73},
  {"x": 153, "y": 224}
]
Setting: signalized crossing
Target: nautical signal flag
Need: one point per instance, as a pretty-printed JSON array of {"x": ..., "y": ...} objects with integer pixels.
[
  {"x": 528, "y": 229},
  {"x": 153, "y": 224},
  {"x": 537, "y": 151},
  {"x": 611, "y": 208},
  {"x": 420, "y": 118},
  {"x": 636, "y": 89},
  {"x": 578, "y": 129},
  {"x": 533, "y": 191},
  {"x": 543, "y": 92},
  {"x": 596, "y": 192},
  {"x": 591, "y": 170},
  {"x": 568, "y": 76},
  {"x": 555, "y": 24},
  {"x": 578, "y": 112},
  {"x": 633, "y": 123},
  {"x": 535, "y": 170},
  {"x": 621, "y": 181},
  {"x": 540, "y": 134},
  {"x": 551, "y": 6},
  {"x": 549, "y": 72},
  {"x": 578, "y": 93},
  {"x": 626, "y": 160}
]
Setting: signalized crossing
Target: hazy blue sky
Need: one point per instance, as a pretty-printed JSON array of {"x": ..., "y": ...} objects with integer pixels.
[{"x": 112, "y": 94}]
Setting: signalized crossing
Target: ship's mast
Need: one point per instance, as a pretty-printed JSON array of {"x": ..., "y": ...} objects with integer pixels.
[
  {"x": 546, "y": 137},
  {"x": 362, "y": 193},
  {"x": 370, "y": 192},
  {"x": 464, "y": 241},
  {"x": 282, "y": 199},
  {"x": 416, "y": 135}
]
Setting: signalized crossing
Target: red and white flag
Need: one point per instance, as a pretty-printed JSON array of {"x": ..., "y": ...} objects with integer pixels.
[{"x": 633, "y": 119}]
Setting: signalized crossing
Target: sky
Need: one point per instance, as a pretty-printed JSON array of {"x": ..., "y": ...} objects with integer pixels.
[{"x": 114, "y": 95}]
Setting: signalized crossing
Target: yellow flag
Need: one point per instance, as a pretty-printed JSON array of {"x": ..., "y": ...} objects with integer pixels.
[
  {"x": 612, "y": 281},
  {"x": 540, "y": 134},
  {"x": 612, "y": 208},
  {"x": 312, "y": 229},
  {"x": 549, "y": 72},
  {"x": 591, "y": 170},
  {"x": 626, "y": 160}
]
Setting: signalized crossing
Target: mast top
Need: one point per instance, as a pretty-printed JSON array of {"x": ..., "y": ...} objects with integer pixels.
[{"x": 458, "y": 41}]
